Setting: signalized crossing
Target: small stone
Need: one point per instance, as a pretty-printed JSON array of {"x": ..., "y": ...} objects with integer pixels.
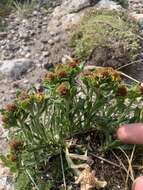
[
  {"x": 23, "y": 35},
  {"x": 38, "y": 65},
  {"x": 16, "y": 84},
  {"x": 48, "y": 66},
  {"x": 28, "y": 49},
  {"x": 25, "y": 81},
  {"x": 57, "y": 39},
  {"x": 51, "y": 42},
  {"x": 137, "y": 17},
  {"x": 12, "y": 31},
  {"x": 46, "y": 54},
  {"x": 44, "y": 40},
  {"x": 52, "y": 33},
  {"x": 3, "y": 35},
  {"x": 141, "y": 55},
  {"x": 35, "y": 13},
  {"x": 28, "y": 55}
]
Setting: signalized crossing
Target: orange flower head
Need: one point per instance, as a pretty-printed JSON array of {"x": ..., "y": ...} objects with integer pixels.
[
  {"x": 24, "y": 96},
  {"x": 16, "y": 145},
  {"x": 39, "y": 97},
  {"x": 116, "y": 76},
  {"x": 11, "y": 107},
  {"x": 5, "y": 119},
  {"x": 63, "y": 90},
  {"x": 122, "y": 91},
  {"x": 62, "y": 74},
  {"x": 141, "y": 88},
  {"x": 105, "y": 74},
  {"x": 73, "y": 64},
  {"x": 13, "y": 158},
  {"x": 50, "y": 76}
]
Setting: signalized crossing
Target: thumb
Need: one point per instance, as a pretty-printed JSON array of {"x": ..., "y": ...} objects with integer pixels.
[
  {"x": 131, "y": 133},
  {"x": 138, "y": 184}
]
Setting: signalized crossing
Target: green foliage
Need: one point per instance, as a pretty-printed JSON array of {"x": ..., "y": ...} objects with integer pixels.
[
  {"x": 23, "y": 182},
  {"x": 124, "y": 3},
  {"x": 74, "y": 101},
  {"x": 24, "y": 8},
  {"x": 110, "y": 35}
]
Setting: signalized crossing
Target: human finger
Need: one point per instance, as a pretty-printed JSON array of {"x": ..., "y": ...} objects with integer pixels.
[
  {"x": 131, "y": 133},
  {"x": 138, "y": 184}
]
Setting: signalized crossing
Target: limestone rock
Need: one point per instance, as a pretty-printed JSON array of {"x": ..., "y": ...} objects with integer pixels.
[
  {"x": 15, "y": 68},
  {"x": 108, "y": 4}
]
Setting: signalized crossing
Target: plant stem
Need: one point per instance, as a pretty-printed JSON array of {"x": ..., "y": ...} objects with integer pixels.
[{"x": 62, "y": 166}]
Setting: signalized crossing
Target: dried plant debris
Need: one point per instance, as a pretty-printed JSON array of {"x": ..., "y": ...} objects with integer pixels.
[
  {"x": 87, "y": 177},
  {"x": 88, "y": 180}
]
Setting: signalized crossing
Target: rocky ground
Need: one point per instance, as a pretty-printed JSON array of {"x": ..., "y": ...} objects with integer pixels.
[{"x": 32, "y": 44}]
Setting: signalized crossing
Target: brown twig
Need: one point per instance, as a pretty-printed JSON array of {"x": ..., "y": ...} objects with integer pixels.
[
  {"x": 121, "y": 163},
  {"x": 62, "y": 166},
  {"x": 128, "y": 64},
  {"x": 105, "y": 160},
  {"x": 130, "y": 169},
  {"x": 129, "y": 77}
]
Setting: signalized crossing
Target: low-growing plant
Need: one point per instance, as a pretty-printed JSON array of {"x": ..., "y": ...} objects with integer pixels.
[
  {"x": 74, "y": 101},
  {"x": 106, "y": 38}
]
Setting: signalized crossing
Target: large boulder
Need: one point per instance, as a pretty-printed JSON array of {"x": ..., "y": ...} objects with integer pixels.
[
  {"x": 64, "y": 18},
  {"x": 108, "y": 4},
  {"x": 15, "y": 68}
]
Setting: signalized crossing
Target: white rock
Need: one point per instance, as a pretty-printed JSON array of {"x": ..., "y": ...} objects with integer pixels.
[
  {"x": 107, "y": 4},
  {"x": 137, "y": 17},
  {"x": 15, "y": 68},
  {"x": 74, "y": 5}
]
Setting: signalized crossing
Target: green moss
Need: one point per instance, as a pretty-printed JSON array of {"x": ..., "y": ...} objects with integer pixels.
[
  {"x": 109, "y": 31},
  {"x": 124, "y": 3}
]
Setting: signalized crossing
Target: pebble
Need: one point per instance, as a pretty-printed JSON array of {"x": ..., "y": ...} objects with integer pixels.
[
  {"x": 51, "y": 42},
  {"x": 3, "y": 34},
  {"x": 44, "y": 40},
  {"x": 45, "y": 54},
  {"x": 57, "y": 39},
  {"x": 28, "y": 55}
]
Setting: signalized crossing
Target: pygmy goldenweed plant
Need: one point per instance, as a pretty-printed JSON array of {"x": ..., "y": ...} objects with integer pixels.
[{"x": 74, "y": 101}]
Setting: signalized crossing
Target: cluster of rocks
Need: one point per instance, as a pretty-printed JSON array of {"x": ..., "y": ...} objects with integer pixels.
[
  {"x": 136, "y": 10},
  {"x": 136, "y": 6},
  {"x": 22, "y": 34}
]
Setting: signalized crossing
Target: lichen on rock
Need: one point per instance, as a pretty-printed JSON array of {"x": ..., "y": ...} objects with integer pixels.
[{"x": 106, "y": 38}]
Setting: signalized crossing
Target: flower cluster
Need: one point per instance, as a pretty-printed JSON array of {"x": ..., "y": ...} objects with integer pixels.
[
  {"x": 122, "y": 91},
  {"x": 63, "y": 72},
  {"x": 39, "y": 97},
  {"x": 11, "y": 107},
  {"x": 16, "y": 145},
  {"x": 63, "y": 90},
  {"x": 102, "y": 73}
]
